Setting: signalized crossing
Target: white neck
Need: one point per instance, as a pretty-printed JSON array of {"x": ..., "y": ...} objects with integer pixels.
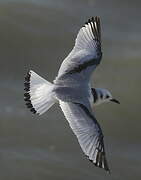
[{"x": 99, "y": 95}]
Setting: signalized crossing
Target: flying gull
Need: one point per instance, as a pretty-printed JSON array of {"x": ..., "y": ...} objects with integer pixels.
[{"x": 72, "y": 90}]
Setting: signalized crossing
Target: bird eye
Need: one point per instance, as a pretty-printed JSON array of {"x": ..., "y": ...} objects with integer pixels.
[{"x": 107, "y": 96}]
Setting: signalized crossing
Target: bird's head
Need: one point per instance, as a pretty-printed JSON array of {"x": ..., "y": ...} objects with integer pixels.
[{"x": 102, "y": 95}]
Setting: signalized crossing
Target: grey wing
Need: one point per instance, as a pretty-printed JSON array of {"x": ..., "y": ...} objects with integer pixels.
[
  {"x": 88, "y": 132},
  {"x": 86, "y": 54}
]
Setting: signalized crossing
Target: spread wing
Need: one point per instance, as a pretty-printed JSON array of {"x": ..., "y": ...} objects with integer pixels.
[
  {"x": 85, "y": 56},
  {"x": 88, "y": 132}
]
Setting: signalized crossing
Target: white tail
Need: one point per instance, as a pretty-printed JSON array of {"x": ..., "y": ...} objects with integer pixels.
[{"x": 38, "y": 96}]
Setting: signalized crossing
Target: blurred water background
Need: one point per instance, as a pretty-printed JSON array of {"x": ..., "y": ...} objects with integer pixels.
[{"x": 38, "y": 35}]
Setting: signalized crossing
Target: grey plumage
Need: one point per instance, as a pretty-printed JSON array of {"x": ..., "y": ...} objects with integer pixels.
[
  {"x": 75, "y": 95},
  {"x": 72, "y": 89}
]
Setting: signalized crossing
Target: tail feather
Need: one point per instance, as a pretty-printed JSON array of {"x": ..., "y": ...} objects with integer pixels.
[{"x": 39, "y": 97}]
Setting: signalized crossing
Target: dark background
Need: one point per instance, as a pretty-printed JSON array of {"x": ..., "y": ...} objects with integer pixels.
[{"x": 38, "y": 35}]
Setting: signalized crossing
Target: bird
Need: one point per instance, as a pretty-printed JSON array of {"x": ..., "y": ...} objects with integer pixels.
[{"x": 72, "y": 90}]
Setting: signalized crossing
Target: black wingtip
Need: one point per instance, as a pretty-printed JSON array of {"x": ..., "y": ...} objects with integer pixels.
[
  {"x": 101, "y": 159},
  {"x": 27, "y": 93},
  {"x": 96, "y": 27}
]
